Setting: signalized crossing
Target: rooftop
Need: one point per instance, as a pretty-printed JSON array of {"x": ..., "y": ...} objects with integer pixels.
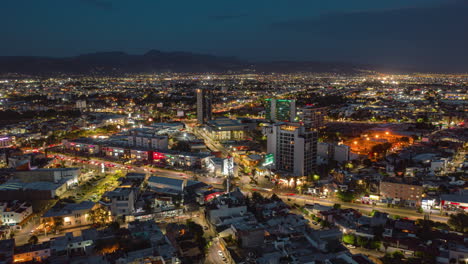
[{"x": 62, "y": 210}]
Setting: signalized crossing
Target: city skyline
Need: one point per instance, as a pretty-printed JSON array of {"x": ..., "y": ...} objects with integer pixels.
[{"x": 224, "y": 132}]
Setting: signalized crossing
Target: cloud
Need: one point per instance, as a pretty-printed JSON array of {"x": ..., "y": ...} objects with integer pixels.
[
  {"x": 418, "y": 35},
  {"x": 227, "y": 17},
  {"x": 101, "y": 4},
  {"x": 409, "y": 22}
]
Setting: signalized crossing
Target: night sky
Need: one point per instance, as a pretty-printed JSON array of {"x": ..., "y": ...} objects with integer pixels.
[{"x": 393, "y": 32}]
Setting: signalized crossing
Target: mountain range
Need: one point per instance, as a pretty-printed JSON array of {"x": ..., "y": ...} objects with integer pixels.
[{"x": 155, "y": 61}]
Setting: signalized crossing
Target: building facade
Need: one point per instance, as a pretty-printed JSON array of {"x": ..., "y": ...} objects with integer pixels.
[
  {"x": 313, "y": 117},
  {"x": 294, "y": 148},
  {"x": 401, "y": 192},
  {"x": 121, "y": 201},
  {"x": 204, "y": 108},
  {"x": 14, "y": 212},
  {"x": 280, "y": 110}
]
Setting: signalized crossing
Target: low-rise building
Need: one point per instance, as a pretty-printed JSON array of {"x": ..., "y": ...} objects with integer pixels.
[
  {"x": 72, "y": 215},
  {"x": 223, "y": 129},
  {"x": 402, "y": 192},
  {"x": 40, "y": 190},
  {"x": 54, "y": 175},
  {"x": 30, "y": 252},
  {"x": 14, "y": 212},
  {"x": 120, "y": 201}
]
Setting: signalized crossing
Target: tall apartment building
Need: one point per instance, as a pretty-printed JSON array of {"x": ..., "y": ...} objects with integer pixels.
[
  {"x": 204, "y": 107},
  {"x": 281, "y": 110},
  {"x": 294, "y": 148},
  {"x": 313, "y": 117},
  {"x": 149, "y": 141}
]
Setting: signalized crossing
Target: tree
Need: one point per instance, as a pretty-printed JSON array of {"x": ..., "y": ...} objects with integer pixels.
[
  {"x": 99, "y": 216},
  {"x": 337, "y": 206},
  {"x": 275, "y": 198},
  {"x": 114, "y": 226},
  {"x": 197, "y": 231},
  {"x": 33, "y": 240},
  {"x": 458, "y": 222},
  {"x": 349, "y": 239},
  {"x": 58, "y": 223},
  {"x": 362, "y": 242},
  {"x": 381, "y": 148},
  {"x": 257, "y": 197},
  {"x": 375, "y": 244},
  {"x": 405, "y": 139},
  {"x": 345, "y": 196},
  {"x": 398, "y": 255},
  {"x": 367, "y": 162}
]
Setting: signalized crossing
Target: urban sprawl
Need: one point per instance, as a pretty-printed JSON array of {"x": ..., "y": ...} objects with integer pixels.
[{"x": 234, "y": 168}]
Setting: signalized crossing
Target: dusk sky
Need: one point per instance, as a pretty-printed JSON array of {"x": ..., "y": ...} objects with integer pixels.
[{"x": 393, "y": 32}]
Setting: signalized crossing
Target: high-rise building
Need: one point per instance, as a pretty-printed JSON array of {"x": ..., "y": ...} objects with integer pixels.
[
  {"x": 313, "y": 117},
  {"x": 204, "y": 101},
  {"x": 282, "y": 110},
  {"x": 294, "y": 148}
]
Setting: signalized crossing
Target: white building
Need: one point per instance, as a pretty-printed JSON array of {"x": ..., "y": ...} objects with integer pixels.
[
  {"x": 14, "y": 212},
  {"x": 120, "y": 201},
  {"x": 221, "y": 167},
  {"x": 337, "y": 152},
  {"x": 294, "y": 148},
  {"x": 148, "y": 141},
  {"x": 73, "y": 215},
  {"x": 438, "y": 166}
]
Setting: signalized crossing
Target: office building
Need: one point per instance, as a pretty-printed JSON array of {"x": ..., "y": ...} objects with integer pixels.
[
  {"x": 294, "y": 148},
  {"x": 313, "y": 117},
  {"x": 280, "y": 110},
  {"x": 331, "y": 151},
  {"x": 204, "y": 101}
]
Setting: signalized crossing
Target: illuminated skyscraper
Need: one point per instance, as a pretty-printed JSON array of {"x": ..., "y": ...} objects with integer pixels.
[
  {"x": 294, "y": 148},
  {"x": 282, "y": 110},
  {"x": 204, "y": 101},
  {"x": 313, "y": 117}
]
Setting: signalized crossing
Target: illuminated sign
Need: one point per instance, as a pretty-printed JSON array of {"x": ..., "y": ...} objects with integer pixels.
[
  {"x": 158, "y": 156},
  {"x": 269, "y": 159}
]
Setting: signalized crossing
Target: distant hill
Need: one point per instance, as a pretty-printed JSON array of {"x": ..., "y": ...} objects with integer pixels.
[{"x": 154, "y": 61}]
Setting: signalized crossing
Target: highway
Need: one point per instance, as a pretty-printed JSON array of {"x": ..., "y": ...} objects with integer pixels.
[
  {"x": 110, "y": 166},
  {"x": 95, "y": 163},
  {"x": 402, "y": 212}
]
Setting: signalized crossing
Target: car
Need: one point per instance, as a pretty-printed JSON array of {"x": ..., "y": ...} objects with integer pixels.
[
  {"x": 314, "y": 223},
  {"x": 220, "y": 253}
]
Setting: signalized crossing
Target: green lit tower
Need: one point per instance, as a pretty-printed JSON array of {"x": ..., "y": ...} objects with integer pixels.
[{"x": 280, "y": 110}]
